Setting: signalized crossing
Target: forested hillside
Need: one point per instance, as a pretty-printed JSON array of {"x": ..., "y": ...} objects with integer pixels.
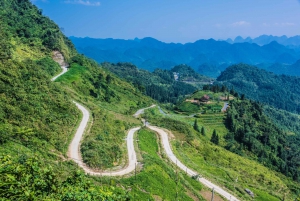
[
  {"x": 253, "y": 134},
  {"x": 280, "y": 91},
  {"x": 160, "y": 85}
]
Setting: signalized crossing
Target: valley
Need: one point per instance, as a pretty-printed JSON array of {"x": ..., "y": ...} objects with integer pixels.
[{"x": 148, "y": 126}]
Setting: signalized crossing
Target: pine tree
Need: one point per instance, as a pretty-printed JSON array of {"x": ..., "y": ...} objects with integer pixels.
[
  {"x": 203, "y": 131},
  {"x": 215, "y": 138},
  {"x": 196, "y": 127}
]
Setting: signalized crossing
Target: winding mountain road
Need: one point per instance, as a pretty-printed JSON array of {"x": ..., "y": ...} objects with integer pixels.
[
  {"x": 74, "y": 149},
  {"x": 64, "y": 70},
  {"x": 166, "y": 144}
]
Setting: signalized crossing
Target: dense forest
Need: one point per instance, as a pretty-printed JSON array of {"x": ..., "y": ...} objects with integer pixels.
[
  {"x": 253, "y": 134},
  {"x": 280, "y": 91},
  {"x": 160, "y": 84}
]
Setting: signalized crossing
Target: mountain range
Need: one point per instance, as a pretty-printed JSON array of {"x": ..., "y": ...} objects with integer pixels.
[
  {"x": 207, "y": 57},
  {"x": 293, "y": 42}
]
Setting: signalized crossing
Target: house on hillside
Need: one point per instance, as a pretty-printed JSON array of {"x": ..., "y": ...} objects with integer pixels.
[
  {"x": 176, "y": 76},
  {"x": 204, "y": 98}
]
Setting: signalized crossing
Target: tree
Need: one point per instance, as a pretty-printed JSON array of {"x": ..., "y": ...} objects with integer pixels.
[
  {"x": 215, "y": 137},
  {"x": 196, "y": 127},
  {"x": 203, "y": 131}
]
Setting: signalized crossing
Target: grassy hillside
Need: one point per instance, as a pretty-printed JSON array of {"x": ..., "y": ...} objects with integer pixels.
[
  {"x": 221, "y": 166},
  {"x": 38, "y": 118}
]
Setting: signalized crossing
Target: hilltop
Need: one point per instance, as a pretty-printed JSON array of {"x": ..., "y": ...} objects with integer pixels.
[
  {"x": 280, "y": 91},
  {"x": 165, "y": 86}
]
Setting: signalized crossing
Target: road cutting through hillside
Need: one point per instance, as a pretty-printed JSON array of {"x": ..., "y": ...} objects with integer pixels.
[
  {"x": 74, "y": 150},
  {"x": 166, "y": 144},
  {"x": 74, "y": 153}
]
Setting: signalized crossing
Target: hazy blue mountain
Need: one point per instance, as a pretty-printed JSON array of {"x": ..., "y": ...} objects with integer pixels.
[
  {"x": 292, "y": 42},
  {"x": 208, "y": 57},
  {"x": 281, "y": 68}
]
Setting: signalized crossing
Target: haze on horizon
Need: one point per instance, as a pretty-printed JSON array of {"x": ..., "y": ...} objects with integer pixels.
[{"x": 174, "y": 20}]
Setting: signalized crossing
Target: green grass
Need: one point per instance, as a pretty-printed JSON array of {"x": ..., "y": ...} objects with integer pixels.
[
  {"x": 223, "y": 167},
  {"x": 188, "y": 107},
  {"x": 230, "y": 170},
  {"x": 157, "y": 179},
  {"x": 263, "y": 196},
  {"x": 73, "y": 74},
  {"x": 208, "y": 121}
]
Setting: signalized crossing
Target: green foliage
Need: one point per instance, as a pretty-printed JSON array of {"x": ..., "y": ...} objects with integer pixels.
[
  {"x": 203, "y": 131},
  {"x": 30, "y": 101},
  {"x": 5, "y": 46},
  {"x": 252, "y": 131},
  {"x": 37, "y": 115},
  {"x": 188, "y": 74},
  {"x": 280, "y": 91},
  {"x": 25, "y": 22},
  {"x": 232, "y": 171},
  {"x": 74, "y": 74},
  {"x": 287, "y": 121},
  {"x": 31, "y": 179},
  {"x": 187, "y": 107},
  {"x": 169, "y": 123},
  {"x": 159, "y": 85},
  {"x": 196, "y": 127},
  {"x": 93, "y": 83},
  {"x": 103, "y": 147},
  {"x": 157, "y": 179},
  {"x": 215, "y": 137}
]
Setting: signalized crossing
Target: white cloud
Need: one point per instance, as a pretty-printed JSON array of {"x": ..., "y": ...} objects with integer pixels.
[
  {"x": 83, "y": 2},
  {"x": 277, "y": 24},
  {"x": 240, "y": 23},
  {"x": 288, "y": 24}
]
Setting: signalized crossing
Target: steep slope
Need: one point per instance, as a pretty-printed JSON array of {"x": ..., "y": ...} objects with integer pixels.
[
  {"x": 37, "y": 116},
  {"x": 229, "y": 170},
  {"x": 38, "y": 120},
  {"x": 280, "y": 91}
]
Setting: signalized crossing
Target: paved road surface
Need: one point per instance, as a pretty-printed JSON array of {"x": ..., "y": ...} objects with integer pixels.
[
  {"x": 141, "y": 111},
  {"x": 74, "y": 149},
  {"x": 225, "y": 107},
  {"x": 64, "y": 70},
  {"x": 166, "y": 144}
]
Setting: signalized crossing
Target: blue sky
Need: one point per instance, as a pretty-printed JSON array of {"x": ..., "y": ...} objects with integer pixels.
[{"x": 174, "y": 20}]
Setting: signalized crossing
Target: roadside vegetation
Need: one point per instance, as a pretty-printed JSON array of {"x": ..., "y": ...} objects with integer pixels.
[{"x": 234, "y": 172}]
